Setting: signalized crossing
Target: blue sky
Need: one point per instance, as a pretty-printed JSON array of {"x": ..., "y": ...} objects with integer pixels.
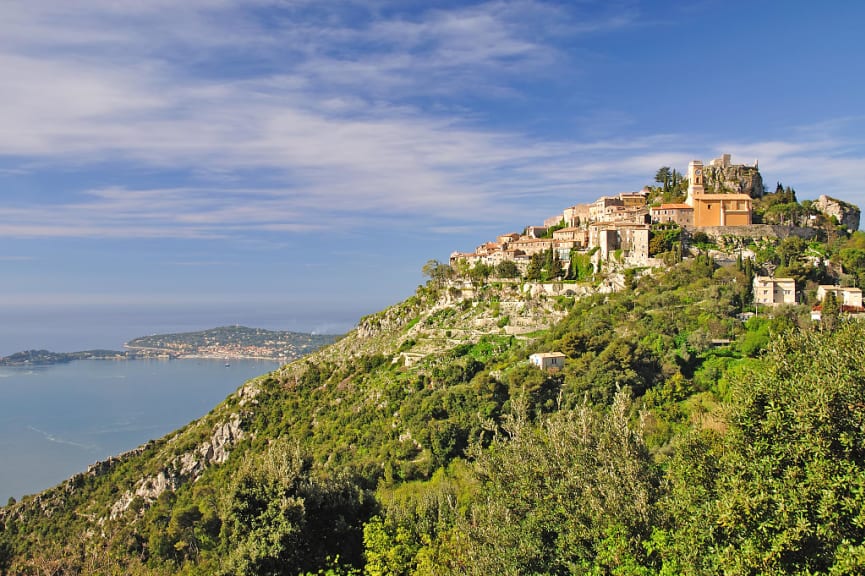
[{"x": 292, "y": 164}]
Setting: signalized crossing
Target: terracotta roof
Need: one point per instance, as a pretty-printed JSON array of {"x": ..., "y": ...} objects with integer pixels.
[
  {"x": 722, "y": 197},
  {"x": 844, "y": 308},
  {"x": 610, "y": 225},
  {"x": 675, "y": 206}
]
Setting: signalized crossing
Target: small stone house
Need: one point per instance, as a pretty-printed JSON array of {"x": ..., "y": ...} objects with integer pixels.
[
  {"x": 680, "y": 213},
  {"x": 633, "y": 199},
  {"x": 632, "y": 239},
  {"x": 580, "y": 236},
  {"x": 536, "y": 231},
  {"x": 576, "y": 215},
  {"x": 548, "y": 360},
  {"x": 844, "y": 296}
]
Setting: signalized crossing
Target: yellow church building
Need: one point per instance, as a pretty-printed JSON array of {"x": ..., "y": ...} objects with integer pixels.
[{"x": 715, "y": 209}]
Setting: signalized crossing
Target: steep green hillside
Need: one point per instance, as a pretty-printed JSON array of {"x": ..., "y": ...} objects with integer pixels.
[{"x": 424, "y": 442}]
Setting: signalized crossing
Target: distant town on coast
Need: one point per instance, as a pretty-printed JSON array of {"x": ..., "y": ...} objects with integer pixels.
[{"x": 227, "y": 342}]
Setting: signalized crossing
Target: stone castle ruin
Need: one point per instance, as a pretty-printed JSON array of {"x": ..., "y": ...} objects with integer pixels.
[{"x": 720, "y": 176}]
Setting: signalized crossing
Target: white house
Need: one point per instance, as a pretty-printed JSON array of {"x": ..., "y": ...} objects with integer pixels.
[
  {"x": 774, "y": 291},
  {"x": 845, "y": 296},
  {"x": 547, "y": 360}
]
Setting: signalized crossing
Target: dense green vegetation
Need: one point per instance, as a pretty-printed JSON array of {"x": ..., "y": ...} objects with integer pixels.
[{"x": 682, "y": 437}]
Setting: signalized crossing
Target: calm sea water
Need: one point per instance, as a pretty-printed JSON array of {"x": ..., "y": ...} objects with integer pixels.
[{"x": 56, "y": 420}]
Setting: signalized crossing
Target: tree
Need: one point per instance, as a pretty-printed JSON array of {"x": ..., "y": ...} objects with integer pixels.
[
  {"x": 580, "y": 266},
  {"x": 573, "y": 496},
  {"x": 555, "y": 269},
  {"x": 781, "y": 491},
  {"x": 853, "y": 261},
  {"x": 830, "y": 311},
  {"x": 436, "y": 271},
  {"x": 791, "y": 249},
  {"x": 5, "y": 557},
  {"x": 536, "y": 267},
  {"x": 663, "y": 177},
  {"x": 280, "y": 518},
  {"x": 507, "y": 269},
  {"x": 480, "y": 272}
]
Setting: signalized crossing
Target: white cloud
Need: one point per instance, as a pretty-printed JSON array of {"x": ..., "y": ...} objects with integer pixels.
[{"x": 307, "y": 115}]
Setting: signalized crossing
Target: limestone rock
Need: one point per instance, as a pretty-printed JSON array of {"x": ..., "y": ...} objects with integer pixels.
[
  {"x": 846, "y": 213},
  {"x": 733, "y": 179},
  {"x": 187, "y": 467}
]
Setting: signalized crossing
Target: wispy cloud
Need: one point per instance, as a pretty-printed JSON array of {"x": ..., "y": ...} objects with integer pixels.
[{"x": 283, "y": 115}]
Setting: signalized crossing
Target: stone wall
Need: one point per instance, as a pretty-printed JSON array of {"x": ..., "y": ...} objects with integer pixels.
[{"x": 758, "y": 232}]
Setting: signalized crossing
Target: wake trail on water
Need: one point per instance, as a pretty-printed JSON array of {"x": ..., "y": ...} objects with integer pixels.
[{"x": 52, "y": 438}]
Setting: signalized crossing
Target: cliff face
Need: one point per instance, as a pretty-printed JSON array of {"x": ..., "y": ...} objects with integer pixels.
[
  {"x": 846, "y": 213},
  {"x": 733, "y": 179}
]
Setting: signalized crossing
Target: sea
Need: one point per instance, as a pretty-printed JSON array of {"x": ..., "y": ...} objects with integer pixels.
[{"x": 57, "y": 420}]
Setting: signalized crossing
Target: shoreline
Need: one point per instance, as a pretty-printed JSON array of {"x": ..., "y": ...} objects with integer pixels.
[{"x": 29, "y": 364}]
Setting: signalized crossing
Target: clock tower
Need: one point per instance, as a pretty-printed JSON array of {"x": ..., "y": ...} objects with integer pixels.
[{"x": 695, "y": 180}]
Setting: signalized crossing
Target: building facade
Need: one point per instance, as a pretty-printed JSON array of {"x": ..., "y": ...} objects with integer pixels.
[
  {"x": 715, "y": 209},
  {"x": 844, "y": 296},
  {"x": 548, "y": 360},
  {"x": 774, "y": 291},
  {"x": 680, "y": 214}
]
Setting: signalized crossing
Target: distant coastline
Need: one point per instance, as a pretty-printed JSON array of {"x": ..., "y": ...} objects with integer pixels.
[
  {"x": 228, "y": 343},
  {"x": 46, "y": 357}
]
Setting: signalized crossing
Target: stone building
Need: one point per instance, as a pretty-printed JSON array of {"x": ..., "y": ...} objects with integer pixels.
[
  {"x": 846, "y": 296},
  {"x": 605, "y": 208},
  {"x": 548, "y": 360},
  {"x": 715, "y": 209},
  {"x": 774, "y": 291},
  {"x": 576, "y": 215},
  {"x": 633, "y": 199},
  {"x": 632, "y": 239},
  {"x": 680, "y": 214},
  {"x": 580, "y": 236}
]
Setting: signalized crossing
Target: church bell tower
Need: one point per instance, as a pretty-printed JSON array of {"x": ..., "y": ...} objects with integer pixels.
[{"x": 695, "y": 180}]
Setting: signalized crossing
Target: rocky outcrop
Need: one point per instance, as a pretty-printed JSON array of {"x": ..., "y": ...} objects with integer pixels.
[
  {"x": 391, "y": 319},
  {"x": 733, "y": 179},
  {"x": 187, "y": 467},
  {"x": 845, "y": 213}
]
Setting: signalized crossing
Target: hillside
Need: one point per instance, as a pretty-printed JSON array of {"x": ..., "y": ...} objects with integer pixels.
[{"x": 424, "y": 442}]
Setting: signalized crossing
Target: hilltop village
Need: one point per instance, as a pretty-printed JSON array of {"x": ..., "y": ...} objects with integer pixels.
[{"x": 642, "y": 230}]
